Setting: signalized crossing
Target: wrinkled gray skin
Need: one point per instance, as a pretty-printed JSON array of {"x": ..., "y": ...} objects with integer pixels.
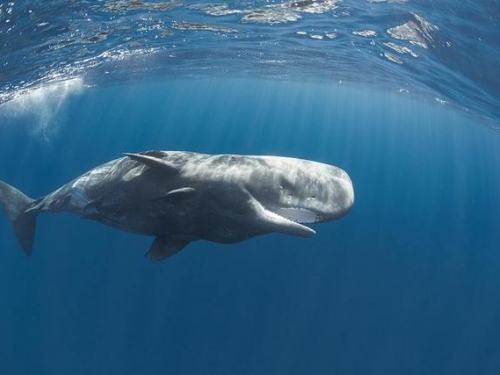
[{"x": 180, "y": 197}]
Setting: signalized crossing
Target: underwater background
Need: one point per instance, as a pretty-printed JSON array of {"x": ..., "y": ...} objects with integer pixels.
[{"x": 403, "y": 95}]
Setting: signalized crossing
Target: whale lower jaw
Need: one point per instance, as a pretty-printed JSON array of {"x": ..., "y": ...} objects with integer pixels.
[{"x": 278, "y": 223}]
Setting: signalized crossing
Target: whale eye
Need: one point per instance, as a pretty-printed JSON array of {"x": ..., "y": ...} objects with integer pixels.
[{"x": 286, "y": 184}]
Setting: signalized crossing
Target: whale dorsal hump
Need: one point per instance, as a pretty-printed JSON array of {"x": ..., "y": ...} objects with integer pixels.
[
  {"x": 165, "y": 246},
  {"x": 154, "y": 162}
]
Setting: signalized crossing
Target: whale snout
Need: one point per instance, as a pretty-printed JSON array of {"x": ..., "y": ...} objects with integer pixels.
[
  {"x": 331, "y": 195},
  {"x": 322, "y": 197},
  {"x": 342, "y": 197},
  {"x": 348, "y": 189}
]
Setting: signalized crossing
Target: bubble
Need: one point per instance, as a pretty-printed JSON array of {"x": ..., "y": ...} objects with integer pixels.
[{"x": 41, "y": 107}]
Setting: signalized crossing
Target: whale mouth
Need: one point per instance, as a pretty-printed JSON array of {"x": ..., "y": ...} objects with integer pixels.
[
  {"x": 297, "y": 215},
  {"x": 288, "y": 221},
  {"x": 283, "y": 220}
]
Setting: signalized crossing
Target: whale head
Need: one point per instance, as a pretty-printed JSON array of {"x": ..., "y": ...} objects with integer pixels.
[{"x": 301, "y": 192}]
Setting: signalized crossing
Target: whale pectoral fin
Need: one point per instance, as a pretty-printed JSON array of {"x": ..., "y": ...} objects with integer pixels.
[
  {"x": 154, "y": 162},
  {"x": 165, "y": 246},
  {"x": 185, "y": 192},
  {"x": 176, "y": 195}
]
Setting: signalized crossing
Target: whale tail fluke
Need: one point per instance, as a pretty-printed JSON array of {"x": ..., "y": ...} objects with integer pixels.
[{"x": 16, "y": 205}]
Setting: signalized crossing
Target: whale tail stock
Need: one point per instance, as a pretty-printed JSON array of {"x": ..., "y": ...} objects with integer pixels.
[{"x": 16, "y": 205}]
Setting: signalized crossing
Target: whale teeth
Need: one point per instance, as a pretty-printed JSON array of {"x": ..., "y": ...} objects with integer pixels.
[
  {"x": 299, "y": 215},
  {"x": 278, "y": 223},
  {"x": 285, "y": 225}
]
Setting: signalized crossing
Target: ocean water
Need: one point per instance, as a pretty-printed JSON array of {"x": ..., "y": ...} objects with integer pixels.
[{"x": 403, "y": 95}]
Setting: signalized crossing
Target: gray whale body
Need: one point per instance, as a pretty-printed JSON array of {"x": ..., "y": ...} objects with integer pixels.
[{"x": 179, "y": 197}]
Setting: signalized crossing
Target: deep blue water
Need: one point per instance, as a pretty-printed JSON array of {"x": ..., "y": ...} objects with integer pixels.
[{"x": 407, "y": 283}]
